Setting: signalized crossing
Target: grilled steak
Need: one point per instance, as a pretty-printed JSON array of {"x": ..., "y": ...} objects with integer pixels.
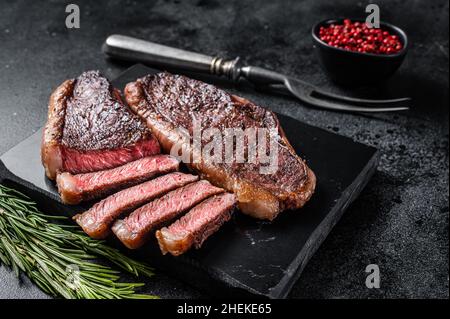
[
  {"x": 169, "y": 102},
  {"x": 198, "y": 224},
  {"x": 76, "y": 188},
  {"x": 97, "y": 221},
  {"x": 89, "y": 128},
  {"x": 134, "y": 229}
]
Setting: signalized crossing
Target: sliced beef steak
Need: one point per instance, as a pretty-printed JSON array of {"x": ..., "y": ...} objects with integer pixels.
[
  {"x": 89, "y": 128},
  {"x": 76, "y": 188},
  {"x": 197, "y": 225},
  {"x": 133, "y": 231},
  {"x": 97, "y": 221},
  {"x": 170, "y": 102}
]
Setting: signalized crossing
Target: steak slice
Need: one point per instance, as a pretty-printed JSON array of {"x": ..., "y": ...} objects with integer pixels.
[
  {"x": 96, "y": 221},
  {"x": 89, "y": 128},
  {"x": 197, "y": 225},
  {"x": 134, "y": 229},
  {"x": 76, "y": 188},
  {"x": 169, "y": 102}
]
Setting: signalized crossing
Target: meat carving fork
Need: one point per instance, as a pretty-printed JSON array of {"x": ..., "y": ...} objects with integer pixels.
[{"x": 132, "y": 49}]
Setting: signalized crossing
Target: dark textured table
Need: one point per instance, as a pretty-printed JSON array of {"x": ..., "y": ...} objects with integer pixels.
[{"x": 399, "y": 222}]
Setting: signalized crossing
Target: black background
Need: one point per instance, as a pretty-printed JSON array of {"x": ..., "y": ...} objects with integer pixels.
[{"x": 400, "y": 222}]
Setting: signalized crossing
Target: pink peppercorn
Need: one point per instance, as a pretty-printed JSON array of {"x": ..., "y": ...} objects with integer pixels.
[{"x": 357, "y": 36}]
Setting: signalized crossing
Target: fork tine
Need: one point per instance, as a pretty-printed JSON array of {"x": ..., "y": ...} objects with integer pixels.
[
  {"x": 334, "y": 105},
  {"x": 330, "y": 105},
  {"x": 401, "y": 101}
]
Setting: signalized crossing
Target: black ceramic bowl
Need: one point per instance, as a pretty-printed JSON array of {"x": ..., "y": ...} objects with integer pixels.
[{"x": 355, "y": 68}]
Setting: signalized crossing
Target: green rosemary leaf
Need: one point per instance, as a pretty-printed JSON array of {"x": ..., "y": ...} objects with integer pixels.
[
  {"x": 61, "y": 260},
  {"x": 55, "y": 284},
  {"x": 3, "y": 258},
  {"x": 40, "y": 281},
  {"x": 15, "y": 257}
]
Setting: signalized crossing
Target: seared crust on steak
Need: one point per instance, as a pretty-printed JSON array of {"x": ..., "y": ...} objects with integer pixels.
[
  {"x": 167, "y": 102},
  {"x": 89, "y": 128},
  {"x": 53, "y": 130},
  {"x": 96, "y": 117}
]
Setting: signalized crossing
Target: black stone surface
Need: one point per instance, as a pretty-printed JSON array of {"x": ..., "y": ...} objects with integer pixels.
[
  {"x": 399, "y": 222},
  {"x": 250, "y": 256}
]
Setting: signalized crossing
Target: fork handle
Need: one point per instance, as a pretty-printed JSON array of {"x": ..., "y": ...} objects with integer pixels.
[
  {"x": 259, "y": 75},
  {"x": 133, "y": 49},
  {"x": 137, "y": 50}
]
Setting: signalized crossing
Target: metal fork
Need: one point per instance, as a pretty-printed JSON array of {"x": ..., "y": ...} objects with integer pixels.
[
  {"x": 132, "y": 49},
  {"x": 317, "y": 97}
]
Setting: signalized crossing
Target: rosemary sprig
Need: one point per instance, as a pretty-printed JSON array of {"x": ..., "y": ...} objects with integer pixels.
[{"x": 61, "y": 260}]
